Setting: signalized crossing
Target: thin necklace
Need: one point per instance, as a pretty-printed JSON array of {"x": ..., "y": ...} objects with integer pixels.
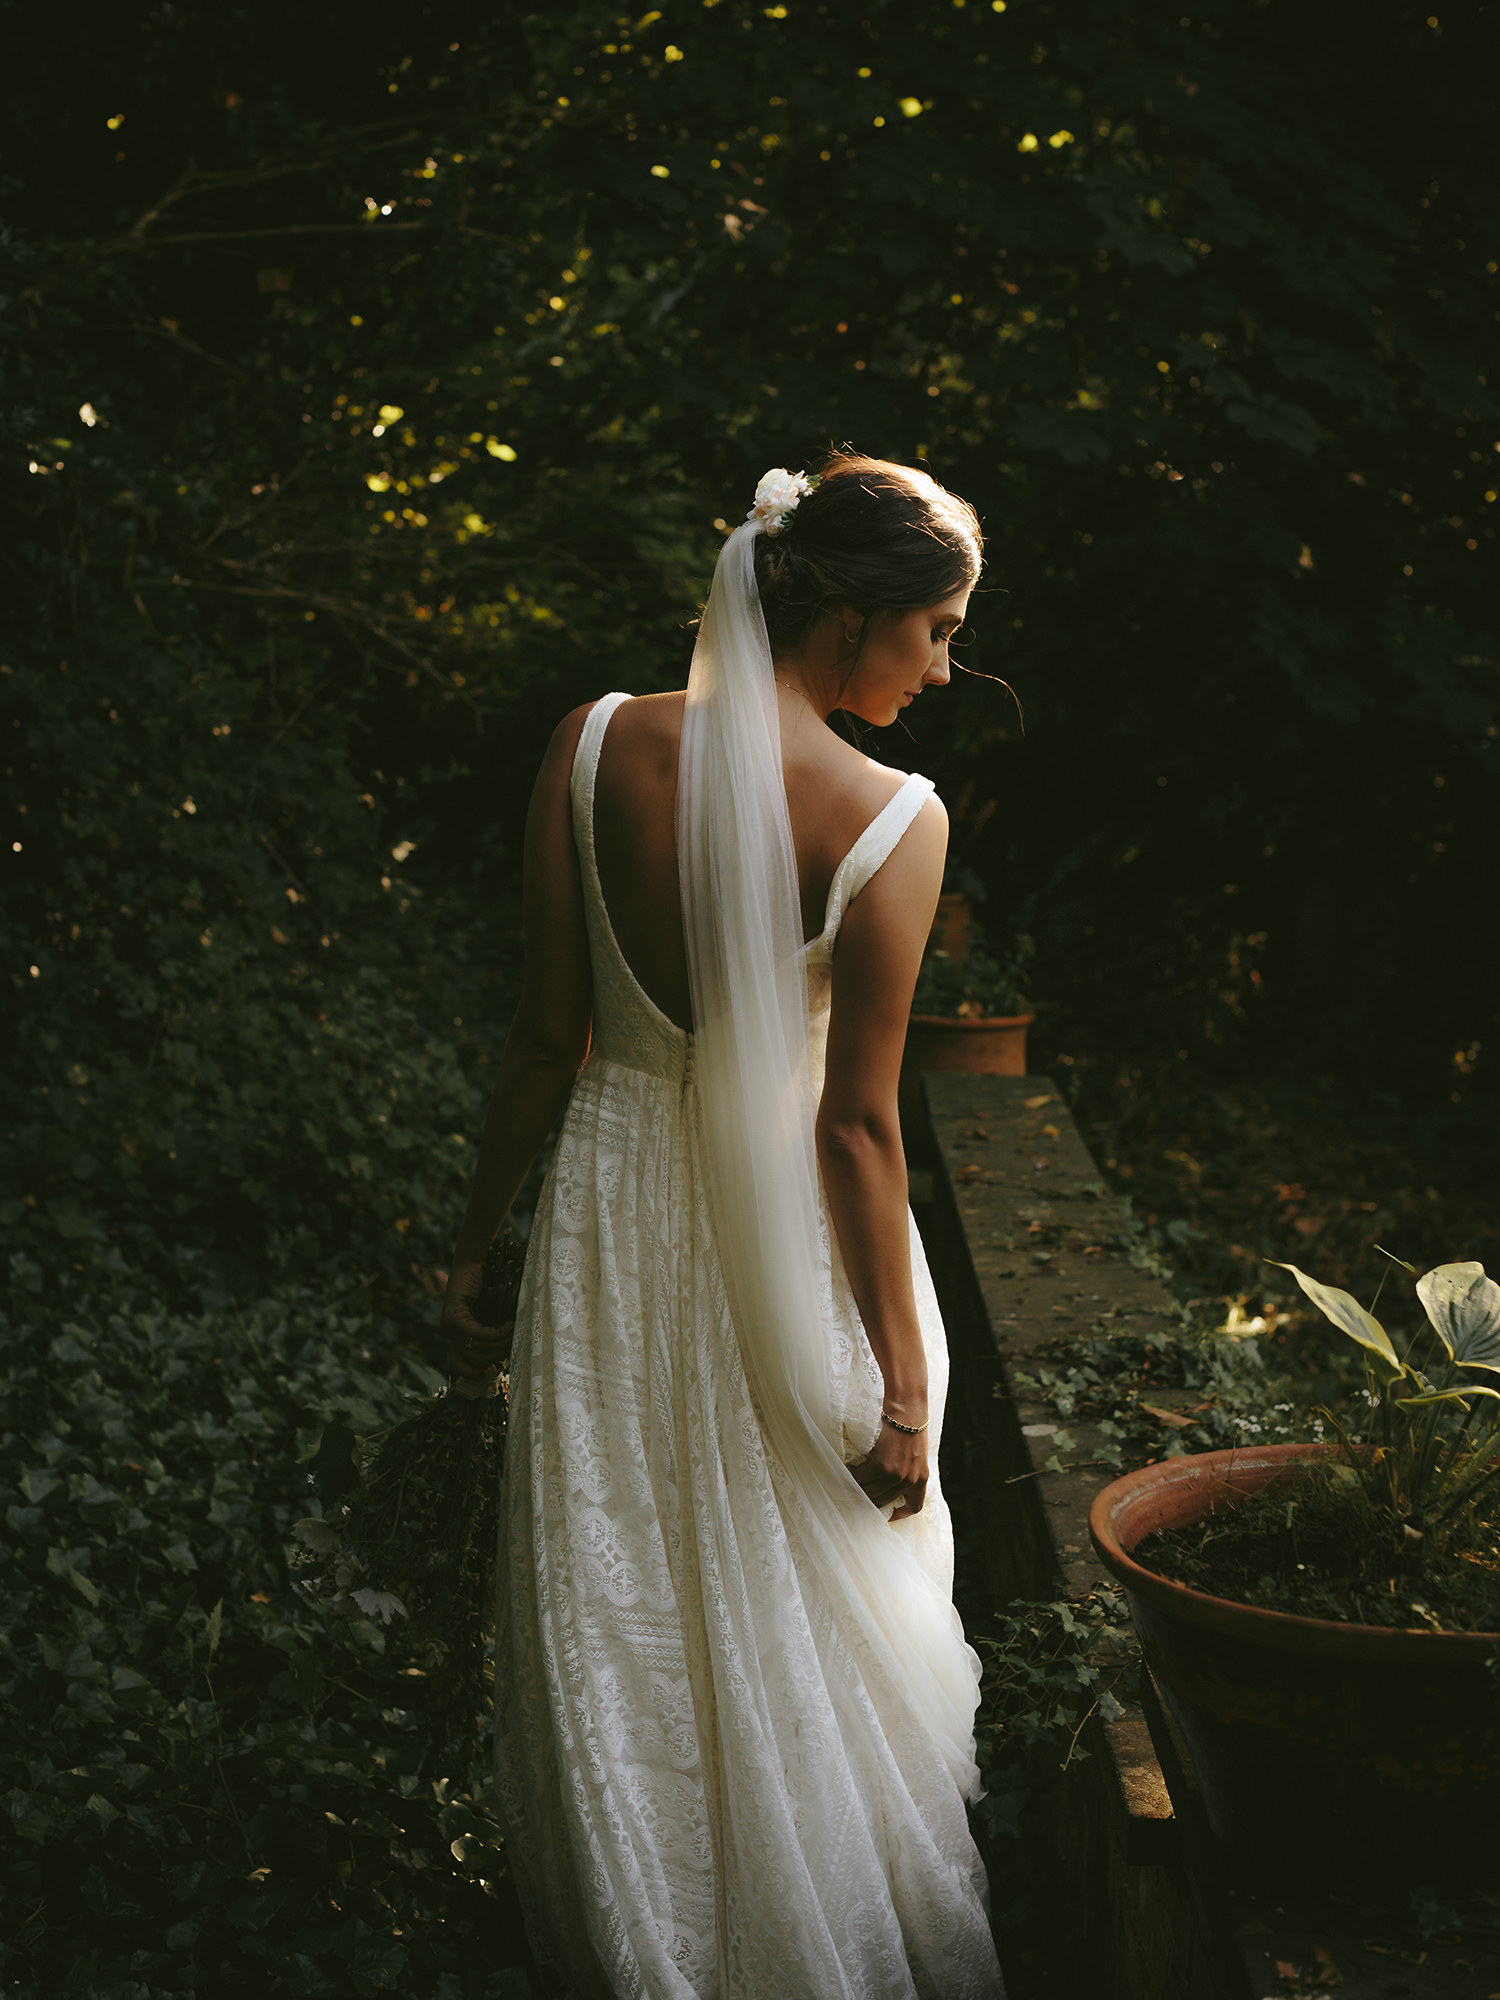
[{"x": 796, "y": 690}]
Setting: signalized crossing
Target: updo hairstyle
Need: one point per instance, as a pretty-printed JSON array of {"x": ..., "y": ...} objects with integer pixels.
[{"x": 872, "y": 534}]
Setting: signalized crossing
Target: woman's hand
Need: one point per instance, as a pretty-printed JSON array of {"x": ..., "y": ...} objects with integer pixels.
[
  {"x": 896, "y": 1469},
  {"x": 475, "y": 1352}
]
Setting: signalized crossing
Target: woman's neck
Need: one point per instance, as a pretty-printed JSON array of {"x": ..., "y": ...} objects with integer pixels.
[
  {"x": 794, "y": 693},
  {"x": 816, "y": 672}
]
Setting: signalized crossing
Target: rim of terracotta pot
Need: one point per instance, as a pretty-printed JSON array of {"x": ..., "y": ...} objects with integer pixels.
[
  {"x": 968, "y": 1022},
  {"x": 1286, "y": 1631}
]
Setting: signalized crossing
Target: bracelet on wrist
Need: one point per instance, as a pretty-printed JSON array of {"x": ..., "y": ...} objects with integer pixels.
[{"x": 906, "y": 1430}]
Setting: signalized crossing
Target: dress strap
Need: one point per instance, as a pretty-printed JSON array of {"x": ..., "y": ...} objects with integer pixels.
[
  {"x": 581, "y": 786},
  {"x": 876, "y": 844}
]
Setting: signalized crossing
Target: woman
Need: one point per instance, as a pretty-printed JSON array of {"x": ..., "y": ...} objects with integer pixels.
[{"x": 735, "y": 1701}]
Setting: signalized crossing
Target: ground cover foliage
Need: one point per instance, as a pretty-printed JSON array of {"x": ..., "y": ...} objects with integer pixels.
[
  {"x": 376, "y": 389},
  {"x": 210, "y": 1784}
]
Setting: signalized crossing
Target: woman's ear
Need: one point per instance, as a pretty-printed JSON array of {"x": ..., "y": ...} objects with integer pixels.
[{"x": 852, "y": 622}]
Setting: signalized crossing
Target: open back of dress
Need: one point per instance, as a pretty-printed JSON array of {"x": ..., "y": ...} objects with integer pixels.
[{"x": 709, "y": 1793}]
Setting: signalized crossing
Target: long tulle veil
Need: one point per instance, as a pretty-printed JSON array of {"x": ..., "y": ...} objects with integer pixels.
[{"x": 743, "y": 927}]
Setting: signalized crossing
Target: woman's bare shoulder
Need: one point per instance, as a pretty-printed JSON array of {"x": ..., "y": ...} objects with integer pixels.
[
  {"x": 642, "y": 717},
  {"x": 652, "y": 715},
  {"x": 851, "y": 786},
  {"x": 557, "y": 760},
  {"x": 642, "y": 741}
]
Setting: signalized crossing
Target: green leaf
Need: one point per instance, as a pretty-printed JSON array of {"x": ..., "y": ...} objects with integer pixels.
[
  {"x": 1350, "y": 1317},
  {"x": 1395, "y": 1259},
  {"x": 58, "y": 1565},
  {"x": 1464, "y": 1308},
  {"x": 1461, "y": 1396}
]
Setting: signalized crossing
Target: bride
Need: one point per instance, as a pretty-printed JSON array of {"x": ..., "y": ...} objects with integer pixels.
[{"x": 734, "y": 1701}]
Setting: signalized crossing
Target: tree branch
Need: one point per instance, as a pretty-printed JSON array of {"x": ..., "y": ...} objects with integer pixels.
[
  {"x": 382, "y": 228},
  {"x": 250, "y": 512},
  {"x": 192, "y": 180},
  {"x": 336, "y": 608}
]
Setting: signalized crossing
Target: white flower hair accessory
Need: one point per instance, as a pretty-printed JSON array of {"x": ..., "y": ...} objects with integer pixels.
[{"x": 776, "y": 498}]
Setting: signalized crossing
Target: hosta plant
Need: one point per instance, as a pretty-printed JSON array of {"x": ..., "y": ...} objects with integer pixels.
[
  {"x": 1428, "y": 1454},
  {"x": 1400, "y": 1523}
]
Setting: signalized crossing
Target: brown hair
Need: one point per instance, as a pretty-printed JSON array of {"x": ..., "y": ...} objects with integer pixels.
[{"x": 873, "y": 534}]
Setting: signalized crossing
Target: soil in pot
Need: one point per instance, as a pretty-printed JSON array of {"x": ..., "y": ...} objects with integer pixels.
[{"x": 1322, "y": 1551}]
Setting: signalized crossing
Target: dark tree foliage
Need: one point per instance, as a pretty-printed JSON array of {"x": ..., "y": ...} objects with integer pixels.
[
  {"x": 417, "y": 376},
  {"x": 377, "y": 386}
]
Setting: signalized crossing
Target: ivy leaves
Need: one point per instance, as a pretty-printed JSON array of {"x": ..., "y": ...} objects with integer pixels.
[{"x": 198, "y": 1781}]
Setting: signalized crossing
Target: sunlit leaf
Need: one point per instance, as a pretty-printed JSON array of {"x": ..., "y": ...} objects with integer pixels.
[
  {"x": 1461, "y": 1396},
  {"x": 1464, "y": 1307},
  {"x": 1350, "y": 1317}
]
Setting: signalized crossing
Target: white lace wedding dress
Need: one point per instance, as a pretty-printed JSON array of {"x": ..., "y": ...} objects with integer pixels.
[{"x": 708, "y": 1793}]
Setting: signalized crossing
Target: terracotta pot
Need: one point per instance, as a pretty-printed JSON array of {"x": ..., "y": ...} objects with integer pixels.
[
  {"x": 995, "y": 1047},
  {"x": 988, "y": 1047},
  {"x": 1320, "y": 1747}
]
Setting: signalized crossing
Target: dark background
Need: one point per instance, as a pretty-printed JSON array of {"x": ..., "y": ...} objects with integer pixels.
[
  {"x": 1214, "y": 368},
  {"x": 1200, "y": 312}
]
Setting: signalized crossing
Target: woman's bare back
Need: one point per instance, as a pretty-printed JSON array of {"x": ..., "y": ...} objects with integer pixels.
[{"x": 833, "y": 792}]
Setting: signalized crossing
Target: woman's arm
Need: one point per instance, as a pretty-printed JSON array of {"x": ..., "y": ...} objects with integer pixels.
[
  {"x": 875, "y": 966},
  {"x": 546, "y": 1047}
]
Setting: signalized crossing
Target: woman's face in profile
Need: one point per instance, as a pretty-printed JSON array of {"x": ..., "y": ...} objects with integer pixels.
[{"x": 903, "y": 653}]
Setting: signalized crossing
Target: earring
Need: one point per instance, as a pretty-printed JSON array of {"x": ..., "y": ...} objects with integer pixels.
[{"x": 850, "y": 638}]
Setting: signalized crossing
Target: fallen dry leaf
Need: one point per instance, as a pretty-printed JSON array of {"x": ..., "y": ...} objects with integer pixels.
[
  {"x": 1036, "y": 1103},
  {"x": 1321, "y": 1980},
  {"x": 1168, "y": 1417},
  {"x": 1330, "y": 1976}
]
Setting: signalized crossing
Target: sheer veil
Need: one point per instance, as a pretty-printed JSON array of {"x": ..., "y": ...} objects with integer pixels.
[{"x": 743, "y": 927}]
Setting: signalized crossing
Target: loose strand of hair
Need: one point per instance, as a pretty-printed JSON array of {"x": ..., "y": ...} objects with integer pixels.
[{"x": 975, "y": 674}]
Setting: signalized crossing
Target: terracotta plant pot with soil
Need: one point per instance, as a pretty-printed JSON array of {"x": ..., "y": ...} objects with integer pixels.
[
  {"x": 967, "y": 1012},
  {"x": 1358, "y": 1754},
  {"x": 983, "y": 1047}
]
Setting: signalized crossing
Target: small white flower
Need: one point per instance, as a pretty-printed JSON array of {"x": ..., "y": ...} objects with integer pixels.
[
  {"x": 382, "y": 1604},
  {"x": 776, "y": 498}
]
